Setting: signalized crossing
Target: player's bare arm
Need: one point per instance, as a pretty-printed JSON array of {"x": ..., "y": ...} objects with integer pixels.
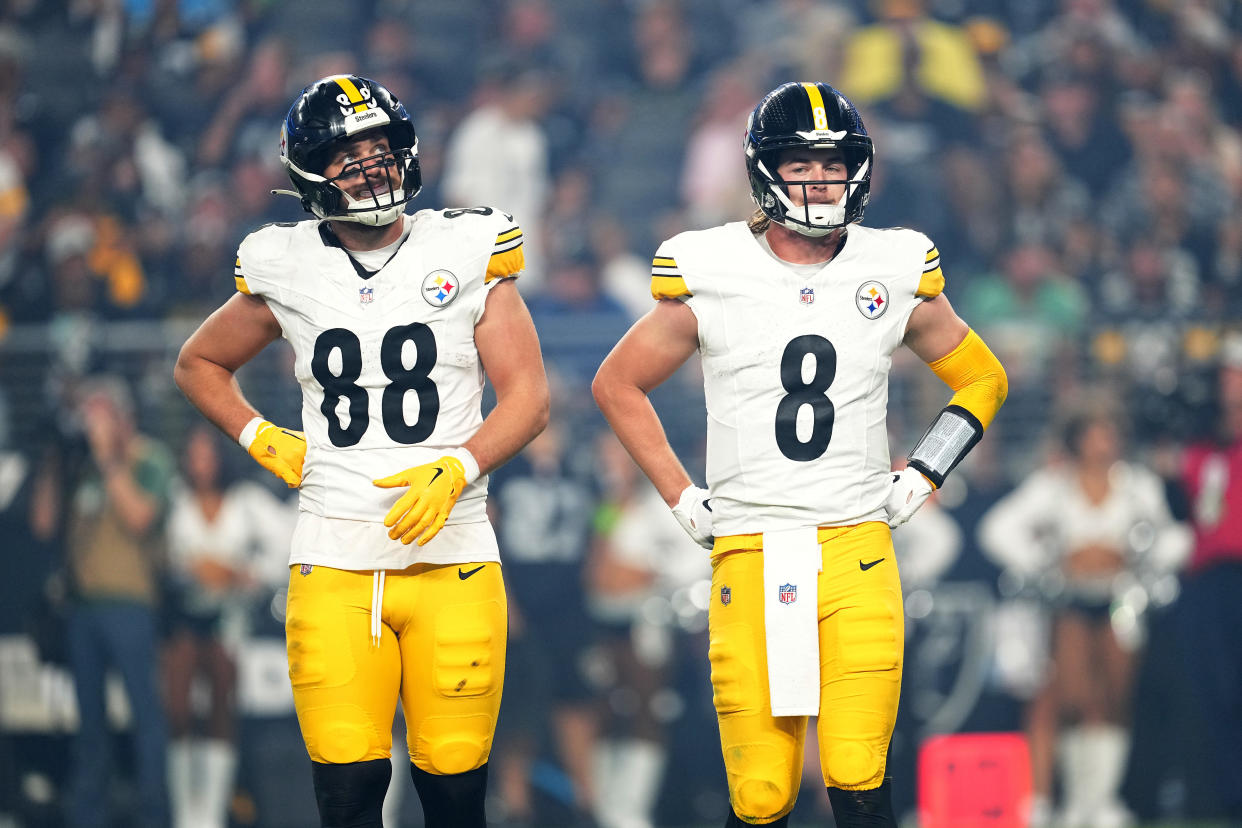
[
  {"x": 963, "y": 362},
  {"x": 935, "y": 329},
  {"x": 228, "y": 339},
  {"x": 649, "y": 353},
  {"x": 509, "y": 349}
]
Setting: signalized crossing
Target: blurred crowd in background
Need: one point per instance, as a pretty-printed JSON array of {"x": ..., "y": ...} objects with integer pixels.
[{"x": 1077, "y": 162}]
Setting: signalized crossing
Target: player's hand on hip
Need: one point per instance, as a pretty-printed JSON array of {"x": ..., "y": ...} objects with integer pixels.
[
  {"x": 422, "y": 511},
  {"x": 695, "y": 516},
  {"x": 281, "y": 451},
  {"x": 909, "y": 491}
]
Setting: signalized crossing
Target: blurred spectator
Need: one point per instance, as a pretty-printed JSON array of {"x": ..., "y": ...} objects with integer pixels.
[
  {"x": 1211, "y": 613},
  {"x": 1042, "y": 201},
  {"x": 1149, "y": 310},
  {"x": 641, "y": 558},
  {"x": 910, "y": 49},
  {"x": 14, "y": 207},
  {"x": 543, "y": 507},
  {"x": 217, "y": 528},
  {"x": 93, "y": 269},
  {"x": 795, "y": 39},
  {"x": 712, "y": 198},
  {"x": 499, "y": 156},
  {"x": 111, "y": 510},
  {"x": 1089, "y": 532},
  {"x": 251, "y": 111},
  {"x": 623, "y": 274},
  {"x": 573, "y": 303},
  {"x": 637, "y": 136},
  {"x": 1082, "y": 130},
  {"x": 1032, "y": 315}
]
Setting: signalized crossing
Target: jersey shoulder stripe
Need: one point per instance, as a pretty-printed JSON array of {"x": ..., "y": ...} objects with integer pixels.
[
  {"x": 666, "y": 279},
  {"x": 508, "y": 259},
  {"x": 239, "y": 278},
  {"x": 931, "y": 284}
]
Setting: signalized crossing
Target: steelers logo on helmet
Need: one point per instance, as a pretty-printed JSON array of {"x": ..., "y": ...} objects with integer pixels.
[
  {"x": 339, "y": 108},
  {"x": 809, "y": 116},
  {"x": 871, "y": 299},
  {"x": 440, "y": 287}
]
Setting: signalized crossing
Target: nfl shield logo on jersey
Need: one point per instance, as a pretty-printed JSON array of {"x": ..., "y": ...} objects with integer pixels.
[
  {"x": 787, "y": 593},
  {"x": 726, "y": 595},
  {"x": 305, "y": 569},
  {"x": 806, "y": 296},
  {"x": 439, "y": 288},
  {"x": 366, "y": 295},
  {"x": 872, "y": 299}
]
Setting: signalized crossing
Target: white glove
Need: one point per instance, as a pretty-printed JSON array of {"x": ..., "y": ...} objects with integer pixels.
[
  {"x": 910, "y": 489},
  {"x": 695, "y": 516}
]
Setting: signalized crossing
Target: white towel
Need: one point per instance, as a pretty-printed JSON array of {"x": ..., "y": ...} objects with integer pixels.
[{"x": 791, "y": 564}]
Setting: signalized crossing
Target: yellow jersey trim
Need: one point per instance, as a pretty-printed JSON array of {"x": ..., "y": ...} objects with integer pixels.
[{"x": 669, "y": 287}]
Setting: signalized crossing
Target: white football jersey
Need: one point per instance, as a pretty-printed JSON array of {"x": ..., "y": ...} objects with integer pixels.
[
  {"x": 390, "y": 374},
  {"x": 796, "y": 369}
]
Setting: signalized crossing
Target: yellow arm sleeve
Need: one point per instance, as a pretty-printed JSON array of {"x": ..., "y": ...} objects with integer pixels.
[{"x": 976, "y": 376}]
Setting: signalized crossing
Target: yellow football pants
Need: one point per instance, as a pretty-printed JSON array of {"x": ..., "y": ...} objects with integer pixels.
[
  {"x": 441, "y": 648},
  {"x": 861, "y": 636}
]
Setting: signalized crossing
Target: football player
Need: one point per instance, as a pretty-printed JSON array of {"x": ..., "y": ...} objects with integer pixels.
[
  {"x": 796, "y": 315},
  {"x": 395, "y": 587}
]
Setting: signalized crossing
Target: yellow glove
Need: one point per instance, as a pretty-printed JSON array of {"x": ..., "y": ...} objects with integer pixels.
[
  {"x": 434, "y": 488},
  {"x": 279, "y": 450}
]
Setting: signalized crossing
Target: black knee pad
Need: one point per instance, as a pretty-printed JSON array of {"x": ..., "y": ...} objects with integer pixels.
[
  {"x": 863, "y": 809},
  {"x": 453, "y": 800},
  {"x": 351, "y": 795},
  {"x": 735, "y": 821}
]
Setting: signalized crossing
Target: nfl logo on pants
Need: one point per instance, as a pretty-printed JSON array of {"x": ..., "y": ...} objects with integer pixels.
[{"x": 787, "y": 593}]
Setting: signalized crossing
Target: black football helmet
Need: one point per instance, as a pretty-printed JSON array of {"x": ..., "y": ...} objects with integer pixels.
[
  {"x": 814, "y": 116},
  {"x": 339, "y": 107}
]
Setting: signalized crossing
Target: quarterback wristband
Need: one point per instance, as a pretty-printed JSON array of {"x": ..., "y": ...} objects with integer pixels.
[
  {"x": 248, "y": 433},
  {"x": 469, "y": 465},
  {"x": 950, "y": 438}
]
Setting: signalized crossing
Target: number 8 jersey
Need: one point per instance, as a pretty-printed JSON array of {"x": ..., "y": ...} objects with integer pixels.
[
  {"x": 795, "y": 362},
  {"x": 389, "y": 371}
]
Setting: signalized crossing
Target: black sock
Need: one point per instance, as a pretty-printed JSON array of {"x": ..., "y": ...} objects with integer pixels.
[
  {"x": 863, "y": 809},
  {"x": 351, "y": 795},
  {"x": 453, "y": 800}
]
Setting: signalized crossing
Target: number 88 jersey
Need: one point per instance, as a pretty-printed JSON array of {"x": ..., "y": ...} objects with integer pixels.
[
  {"x": 389, "y": 371},
  {"x": 795, "y": 363}
]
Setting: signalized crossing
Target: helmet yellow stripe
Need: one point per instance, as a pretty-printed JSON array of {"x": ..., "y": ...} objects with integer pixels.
[
  {"x": 818, "y": 112},
  {"x": 355, "y": 97}
]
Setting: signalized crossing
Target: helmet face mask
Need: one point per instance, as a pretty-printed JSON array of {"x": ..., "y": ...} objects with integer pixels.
[
  {"x": 336, "y": 110},
  {"x": 809, "y": 117}
]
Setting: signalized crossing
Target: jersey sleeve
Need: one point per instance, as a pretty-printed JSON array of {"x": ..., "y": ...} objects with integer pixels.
[
  {"x": 257, "y": 268},
  {"x": 931, "y": 284},
  {"x": 507, "y": 259},
  {"x": 666, "y": 279}
]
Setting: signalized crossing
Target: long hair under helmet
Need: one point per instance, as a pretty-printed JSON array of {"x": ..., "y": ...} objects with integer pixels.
[
  {"x": 810, "y": 116},
  {"x": 339, "y": 107}
]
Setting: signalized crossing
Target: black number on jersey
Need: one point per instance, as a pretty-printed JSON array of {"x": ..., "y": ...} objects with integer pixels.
[
  {"x": 800, "y": 393},
  {"x": 476, "y": 211},
  {"x": 345, "y": 384},
  {"x": 461, "y": 211},
  {"x": 416, "y": 379}
]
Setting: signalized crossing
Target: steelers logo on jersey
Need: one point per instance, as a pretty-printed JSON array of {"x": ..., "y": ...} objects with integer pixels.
[
  {"x": 872, "y": 299},
  {"x": 440, "y": 287}
]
